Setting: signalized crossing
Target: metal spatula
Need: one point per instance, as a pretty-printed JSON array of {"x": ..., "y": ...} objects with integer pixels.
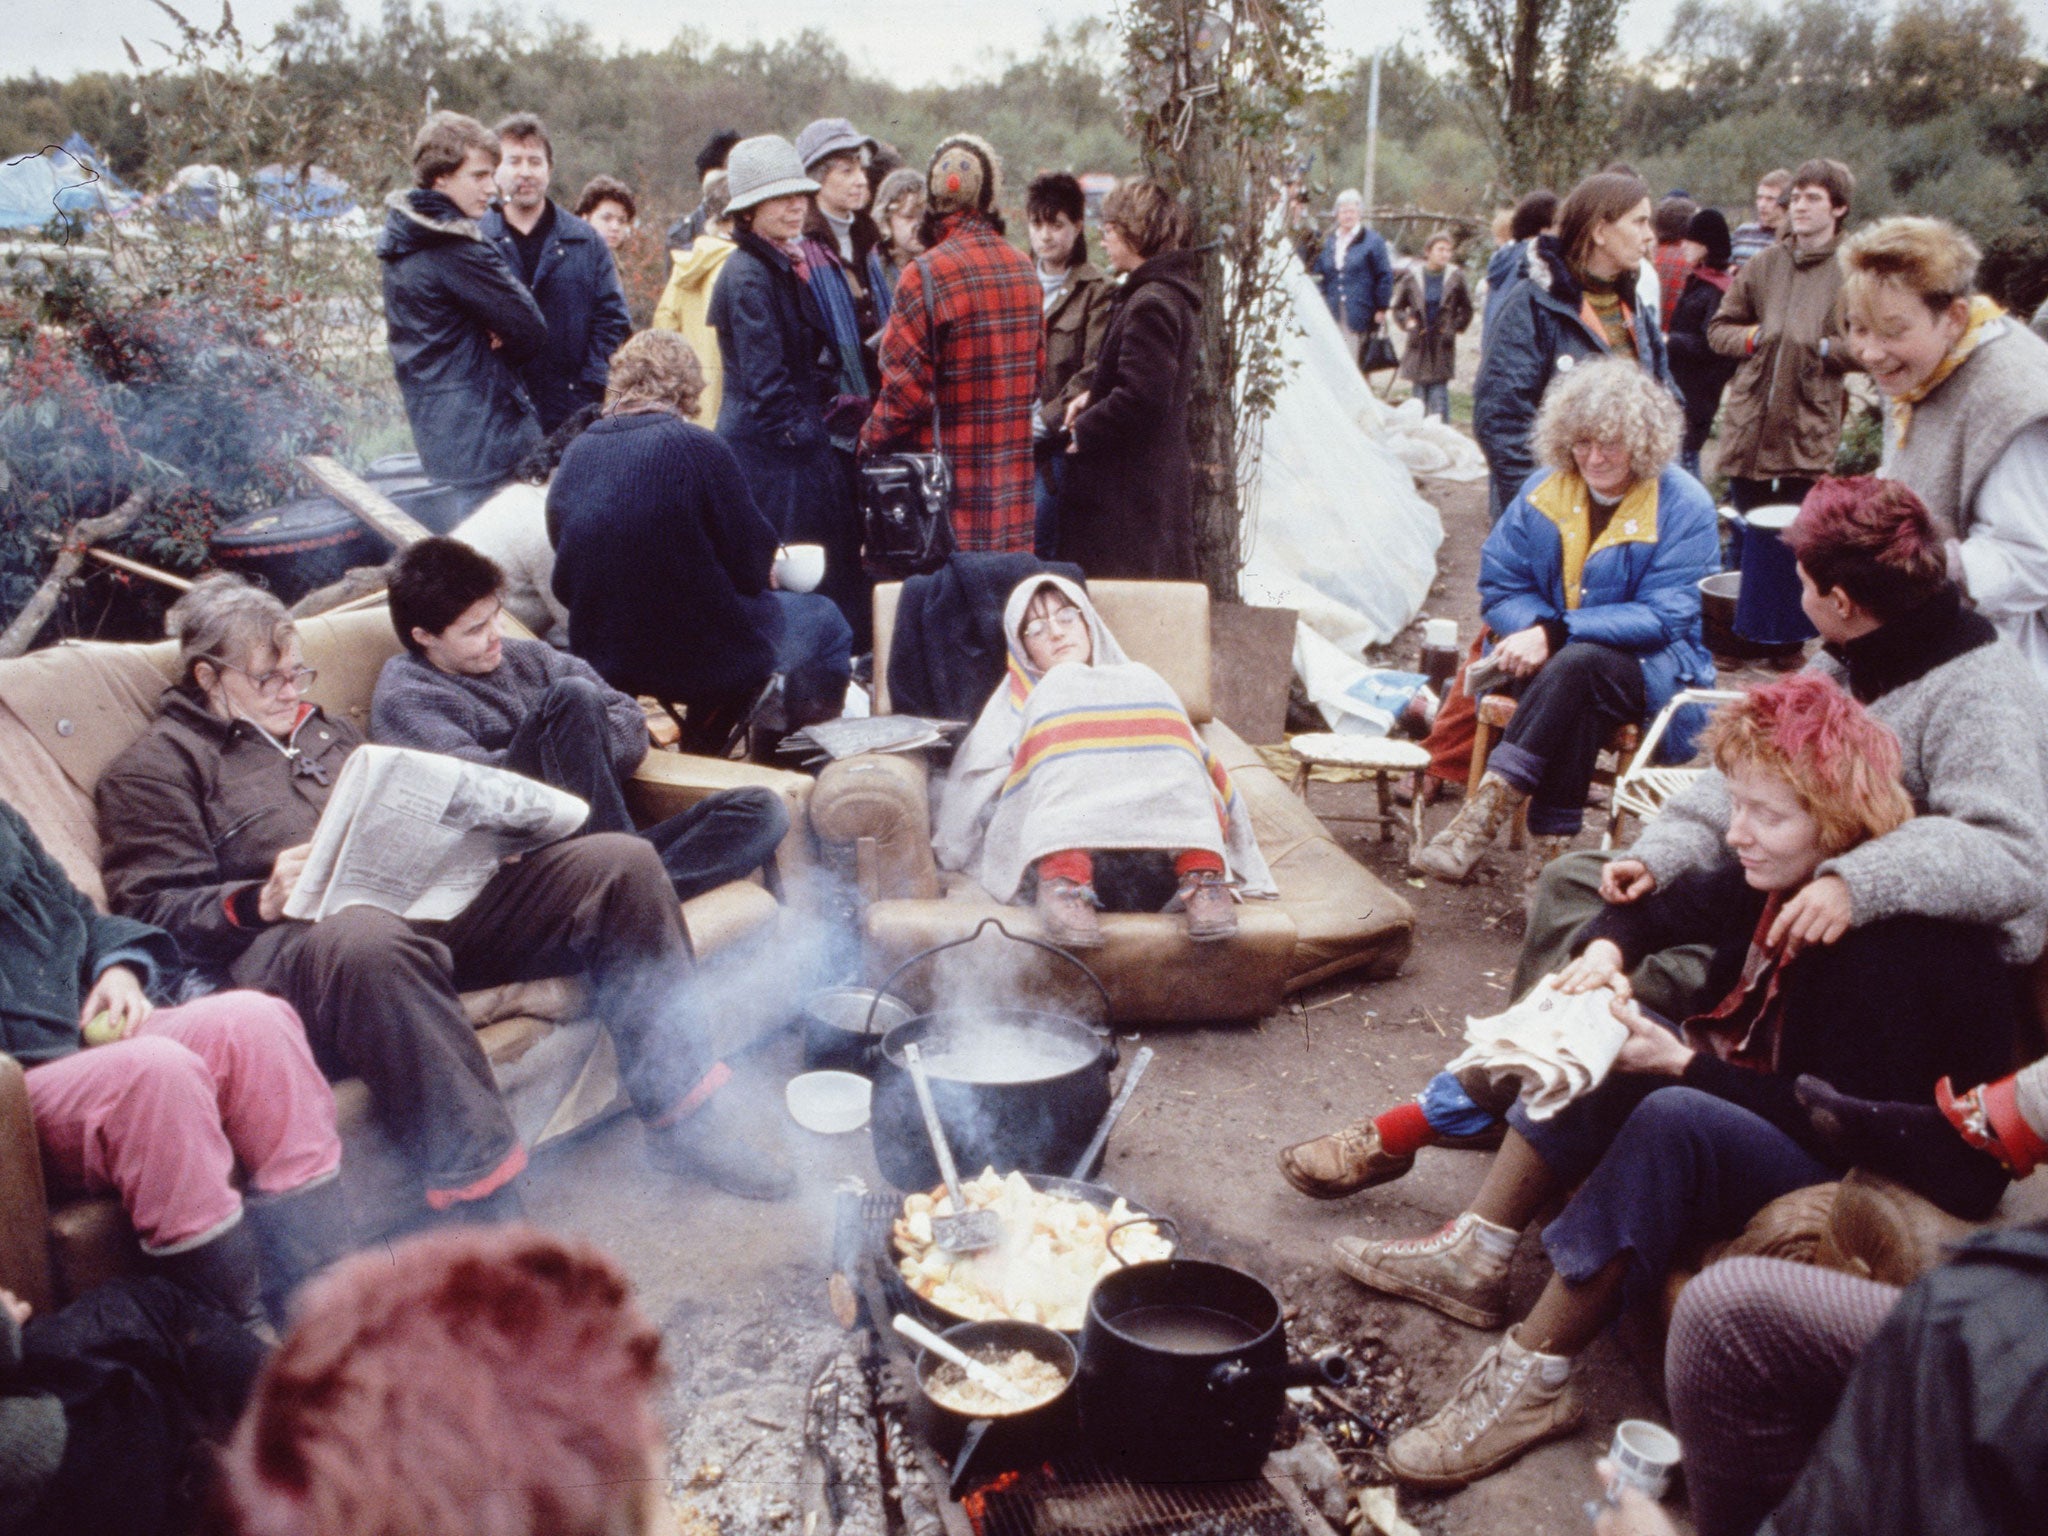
[{"x": 964, "y": 1231}]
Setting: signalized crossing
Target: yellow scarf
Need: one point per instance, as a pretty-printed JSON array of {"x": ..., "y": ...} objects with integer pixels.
[{"x": 1982, "y": 311}]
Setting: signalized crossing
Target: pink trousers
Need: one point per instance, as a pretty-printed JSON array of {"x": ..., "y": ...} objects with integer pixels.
[{"x": 161, "y": 1117}]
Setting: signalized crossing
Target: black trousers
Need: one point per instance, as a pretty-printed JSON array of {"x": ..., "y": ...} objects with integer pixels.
[
  {"x": 723, "y": 837},
  {"x": 1565, "y": 715}
]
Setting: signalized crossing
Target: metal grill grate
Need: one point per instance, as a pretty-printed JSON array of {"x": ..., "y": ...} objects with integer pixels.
[{"x": 1079, "y": 1497}]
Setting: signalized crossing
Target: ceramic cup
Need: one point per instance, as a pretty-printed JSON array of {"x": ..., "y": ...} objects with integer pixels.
[{"x": 800, "y": 567}]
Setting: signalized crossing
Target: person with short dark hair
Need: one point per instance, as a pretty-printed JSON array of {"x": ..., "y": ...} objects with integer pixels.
[
  {"x": 1433, "y": 305},
  {"x": 1534, "y": 215},
  {"x": 712, "y": 157},
  {"x": 965, "y": 346},
  {"x": 608, "y": 206},
  {"x": 458, "y": 318},
  {"x": 1757, "y": 235},
  {"x": 1699, "y": 371},
  {"x": 1127, "y": 509},
  {"x": 1672, "y": 219},
  {"x": 568, "y": 267},
  {"x": 1077, "y": 306},
  {"x": 463, "y": 688},
  {"x": 1781, "y": 419}
]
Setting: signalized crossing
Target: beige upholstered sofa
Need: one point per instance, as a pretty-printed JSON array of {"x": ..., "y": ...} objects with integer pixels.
[
  {"x": 872, "y": 814},
  {"x": 67, "y": 712}
]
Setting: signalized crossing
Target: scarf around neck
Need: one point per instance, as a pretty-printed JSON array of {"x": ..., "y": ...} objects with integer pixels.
[{"x": 1983, "y": 311}]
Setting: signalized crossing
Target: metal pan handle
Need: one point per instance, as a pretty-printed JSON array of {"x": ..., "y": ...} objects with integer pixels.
[
  {"x": 1165, "y": 1224},
  {"x": 1102, "y": 992}
]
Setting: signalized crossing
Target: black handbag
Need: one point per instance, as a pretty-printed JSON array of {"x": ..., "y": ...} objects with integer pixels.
[
  {"x": 906, "y": 499},
  {"x": 1376, "y": 353}
]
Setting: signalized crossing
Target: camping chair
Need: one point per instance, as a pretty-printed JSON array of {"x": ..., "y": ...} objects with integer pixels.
[{"x": 1642, "y": 789}]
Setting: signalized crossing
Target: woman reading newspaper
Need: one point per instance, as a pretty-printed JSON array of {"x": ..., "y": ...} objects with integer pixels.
[
  {"x": 1699, "y": 1127},
  {"x": 207, "y": 821}
]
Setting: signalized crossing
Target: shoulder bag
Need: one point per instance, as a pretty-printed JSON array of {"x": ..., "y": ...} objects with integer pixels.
[{"x": 906, "y": 499}]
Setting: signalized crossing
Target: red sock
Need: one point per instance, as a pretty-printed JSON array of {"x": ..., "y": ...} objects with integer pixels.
[
  {"x": 1403, "y": 1129},
  {"x": 1074, "y": 864},
  {"x": 1194, "y": 861}
]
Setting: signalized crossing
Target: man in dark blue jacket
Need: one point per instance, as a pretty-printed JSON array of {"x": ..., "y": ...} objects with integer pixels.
[
  {"x": 568, "y": 268},
  {"x": 1356, "y": 273},
  {"x": 457, "y": 319}
]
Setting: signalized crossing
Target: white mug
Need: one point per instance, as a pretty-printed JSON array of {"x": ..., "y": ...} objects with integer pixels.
[
  {"x": 800, "y": 567},
  {"x": 1643, "y": 1455}
]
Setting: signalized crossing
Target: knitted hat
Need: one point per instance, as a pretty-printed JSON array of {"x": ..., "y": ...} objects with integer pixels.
[
  {"x": 965, "y": 173},
  {"x": 712, "y": 156},
  {"x": 764, "y": 167},
  {"x": 829, "y": 136},
  {"x": 1710, "y": 229},
  {"x": 899, "y": 181}
]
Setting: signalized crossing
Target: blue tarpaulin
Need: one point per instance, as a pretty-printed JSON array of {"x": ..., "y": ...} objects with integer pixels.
[
  {"x": 319, "y": 194},
  {"x": 35, "y": 188}
]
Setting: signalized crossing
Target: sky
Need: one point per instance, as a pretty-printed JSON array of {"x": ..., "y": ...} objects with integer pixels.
[{"x": 914, "y": 42}]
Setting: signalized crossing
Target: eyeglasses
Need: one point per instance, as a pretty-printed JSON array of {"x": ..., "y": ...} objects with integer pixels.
[
  {"x": 272, "y": 684},
  {"x": 1064, "y": 619}
]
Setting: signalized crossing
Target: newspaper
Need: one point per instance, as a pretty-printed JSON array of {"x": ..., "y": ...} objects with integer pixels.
[{"x": 419, "y": 833}]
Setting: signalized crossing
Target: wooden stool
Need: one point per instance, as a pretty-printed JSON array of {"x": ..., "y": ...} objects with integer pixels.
[
  {"x": 1493, "y": 713},
  {"x": 1336, "y": 759}
]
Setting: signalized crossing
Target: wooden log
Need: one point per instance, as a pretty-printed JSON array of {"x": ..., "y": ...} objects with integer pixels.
[
  {"x": 357, "y": 582},
  {"x": 369, "y": 504},
  {"x": 137, "y": 568},
  {"x": 28, "y": 623}
]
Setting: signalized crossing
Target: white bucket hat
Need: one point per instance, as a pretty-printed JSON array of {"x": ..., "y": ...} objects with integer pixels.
[{"x": 764, "y": 167}]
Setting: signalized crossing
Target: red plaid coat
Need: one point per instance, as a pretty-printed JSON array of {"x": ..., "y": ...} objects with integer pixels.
[{"x": 985, "y": 304}]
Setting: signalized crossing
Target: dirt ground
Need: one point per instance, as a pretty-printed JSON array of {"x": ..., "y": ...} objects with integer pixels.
[{"x": 740, "y": 1287}]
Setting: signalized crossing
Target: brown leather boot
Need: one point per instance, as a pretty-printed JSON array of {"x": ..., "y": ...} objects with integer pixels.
[
  {"x": 1205, "y": 897},
  {"x": 1453, "y": 852},
  {"x": 1068, "y": 911}
]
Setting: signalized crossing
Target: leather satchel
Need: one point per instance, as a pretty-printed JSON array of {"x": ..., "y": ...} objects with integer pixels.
[
  {"x": 1376, "y": 353},
  {"x": 906, "y": 499}
]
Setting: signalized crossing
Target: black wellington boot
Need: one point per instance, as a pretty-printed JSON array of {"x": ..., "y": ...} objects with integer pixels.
[
  {"x": 221, "y": 1271},
  {"x": 298, "y": 1234}
]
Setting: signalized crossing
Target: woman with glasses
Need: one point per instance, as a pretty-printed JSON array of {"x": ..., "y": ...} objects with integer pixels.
[
  {"x": 1589, "y": 585},
  {"x": 1085, "y": 786}
]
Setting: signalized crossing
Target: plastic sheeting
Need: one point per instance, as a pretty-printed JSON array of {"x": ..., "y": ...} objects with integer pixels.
[
  {"x": 34, "y": 189},
  {"x": 1340, "y": 532}
]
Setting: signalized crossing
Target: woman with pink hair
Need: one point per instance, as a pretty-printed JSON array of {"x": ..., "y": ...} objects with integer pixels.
[{"x": 1700, "y": 1126}]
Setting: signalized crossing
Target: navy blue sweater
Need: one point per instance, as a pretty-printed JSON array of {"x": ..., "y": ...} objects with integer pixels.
[{"x": 662, "y": 560}]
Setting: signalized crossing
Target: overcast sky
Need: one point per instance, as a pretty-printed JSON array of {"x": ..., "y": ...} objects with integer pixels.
[{"x": 914, "y": 42}]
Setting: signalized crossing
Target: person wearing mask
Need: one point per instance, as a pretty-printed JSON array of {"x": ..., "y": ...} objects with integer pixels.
[
  {"x": 459, "y": 320},
  {"x": 1781, "y": 421},
  {"x": 1761, "y": 233},
  {"x": 783, "y": 371},
  {"x": 569, "y": 270},
  {"x": 1672, "y": 260},
  {"x": 965, "y": 343},
  {"x": 608, "y": 206},
  {"x": 685, "y": 304},
  {"x": 1356, "y": 273},
  {"x": 1576, "y": 301},
  {"x": 1697, "y": 369},
  {"x": 1433, "y": 305},
  {"x": 1534, "y": 215},
  {"x": 1077, "y": 305},
  {"x": 712, "y": 157},
  {"x": 1966, "y": 421},
  {"x": 1127, "y": 507},
  {"x": 899, "y": 209}
]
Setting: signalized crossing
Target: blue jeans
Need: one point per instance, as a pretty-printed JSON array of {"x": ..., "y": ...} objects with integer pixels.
[
  {"x": 813, "y": 652},
  {"x": 1436, "y": 400},
  {"x": 1045, "y": 533}
]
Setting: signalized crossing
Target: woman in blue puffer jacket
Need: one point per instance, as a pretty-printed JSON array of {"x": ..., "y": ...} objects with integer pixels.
[{"x": 1590, "y": 584}]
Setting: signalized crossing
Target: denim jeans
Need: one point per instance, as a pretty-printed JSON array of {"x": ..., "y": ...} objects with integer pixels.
[
  {"x": 813, "y": 652},
  {"x": 1436, "y": 400},
  {"x": 1052, "y": 471},
  {"x": 1566, "y": 713},
  {"x": 723, "y": 837}
]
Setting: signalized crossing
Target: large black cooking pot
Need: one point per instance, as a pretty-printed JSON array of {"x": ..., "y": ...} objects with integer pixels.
[
  {"x": 1184, "y": 1371},
  {"x": 979, "y": 1446},
  {"x": 1016, "y": 1088}
]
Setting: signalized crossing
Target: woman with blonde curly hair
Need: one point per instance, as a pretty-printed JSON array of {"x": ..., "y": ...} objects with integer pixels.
[
  {"x": 1590, "y": 587},
  {"x": 1699, "y": 1126}
]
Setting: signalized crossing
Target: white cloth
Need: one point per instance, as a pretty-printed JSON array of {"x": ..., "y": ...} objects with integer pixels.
[
  {"x": 1558, "y": 1047},
  {"x": 511, "y": 526},
  {"x": 2005, "y": 558},
  {"x": 1046, "y": 769}
]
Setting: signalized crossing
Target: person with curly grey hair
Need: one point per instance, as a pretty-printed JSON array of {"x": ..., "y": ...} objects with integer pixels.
[{"x": 1590, "y": 586}]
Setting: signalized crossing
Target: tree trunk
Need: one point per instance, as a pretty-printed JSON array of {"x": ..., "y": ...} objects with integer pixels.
[
  {"x": 1212, "y": 434},
  {"x": 35, "y": 613}
]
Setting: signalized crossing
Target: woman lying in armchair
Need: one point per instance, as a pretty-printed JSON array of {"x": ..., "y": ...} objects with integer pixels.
[
  {"x": 1698, "y": 1128},
  {"x": 1085, "y": 777}
]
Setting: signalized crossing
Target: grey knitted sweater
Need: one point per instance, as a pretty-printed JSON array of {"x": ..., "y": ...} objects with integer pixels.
[
  {"x": 475, "y": 717},
  {"x": 1972, "y": 723}
]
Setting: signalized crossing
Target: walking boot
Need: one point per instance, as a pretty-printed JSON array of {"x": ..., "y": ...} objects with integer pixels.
[
  {"x": 729, "y": 1144},
  {"x": 1502, "y": 1408},
  {"x": 1449, "y": 1270},
  {"x": 1205, "y": 897},
  {"x": 1543, "y": 848},
  {"x": 1068, "y": 912},
  {"x": 1452, "y": 853},
  {"x": 1347, "y": 1161},
  {"x": 298, "y": 1234},
  {"x": 221, "y": 1271}
]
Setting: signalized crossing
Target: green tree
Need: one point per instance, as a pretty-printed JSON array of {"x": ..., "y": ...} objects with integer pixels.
[{"x": 1544, "y": 77}]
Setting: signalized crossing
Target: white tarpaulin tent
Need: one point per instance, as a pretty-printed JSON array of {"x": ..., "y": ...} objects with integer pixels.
[{"x": 1340, "y": 532}]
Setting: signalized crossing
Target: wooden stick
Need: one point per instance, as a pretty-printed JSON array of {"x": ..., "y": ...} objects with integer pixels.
[
  {"x": 369, "y": 504},
  {"x": 28, "y": 623},
  {"x": 137, "y": 568}
]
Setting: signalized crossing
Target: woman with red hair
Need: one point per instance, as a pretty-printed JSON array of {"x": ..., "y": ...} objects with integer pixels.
[
  {"x": 482, "y": 1382},
  {"x": 1699, "y": 1125}
]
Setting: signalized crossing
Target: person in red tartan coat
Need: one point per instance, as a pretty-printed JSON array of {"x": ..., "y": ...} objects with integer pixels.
[{"x": 983, "y": 338}]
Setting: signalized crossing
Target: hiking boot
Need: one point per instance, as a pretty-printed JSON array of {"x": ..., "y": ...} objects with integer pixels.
[
  {"x": 1447, "y": 1270},
  {"x": 1453, "y": 852},
  {"x": 1068, "y": 912},
  {"x": 1344, "y": 1162},
  {"x": 1211, "y": 913},
  {"x": 729, "y": 1145},
  {"x": 1543, "y": 848},
  {"x": 1502, "y": 1408}
]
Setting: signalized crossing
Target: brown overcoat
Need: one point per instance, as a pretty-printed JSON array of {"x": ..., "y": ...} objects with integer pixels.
[{"x": 1432, "y": 355}]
